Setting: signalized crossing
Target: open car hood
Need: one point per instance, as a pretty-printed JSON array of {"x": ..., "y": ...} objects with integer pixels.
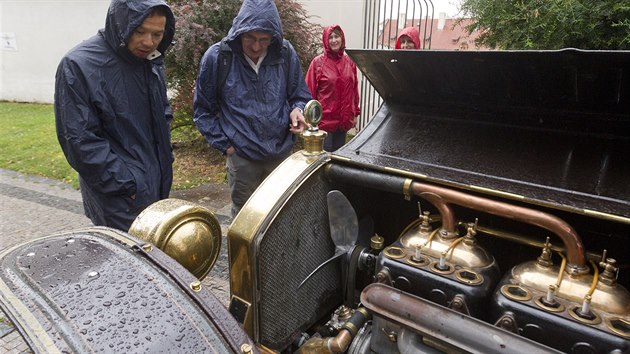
[{"x": 545, "y": 127}]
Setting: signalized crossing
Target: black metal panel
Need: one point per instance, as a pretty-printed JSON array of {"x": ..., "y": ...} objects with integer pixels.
[
  {"x": 557, "y": 330},
  {"x": 441, "y": 288},
  {"x": 97, "y": 290},
  {"x": 570, "y": 80},
  {"x": 553, "y": 127}
]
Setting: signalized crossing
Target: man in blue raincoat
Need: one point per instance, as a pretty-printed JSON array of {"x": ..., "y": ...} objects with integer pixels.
[
  {"x": 112, "y": 113},
  {"x": 252, "y": 114}
]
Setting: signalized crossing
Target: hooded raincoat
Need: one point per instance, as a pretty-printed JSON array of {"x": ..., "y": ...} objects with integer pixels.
[
  {"x": 251, "y": 113},
  {"x": 411, "y": 32},
  {"x": 113, "y": 117},
  {"x": 332, "y": 80}
]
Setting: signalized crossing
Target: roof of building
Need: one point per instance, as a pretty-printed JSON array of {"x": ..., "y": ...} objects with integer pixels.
[{"x": 440, "y": 33}]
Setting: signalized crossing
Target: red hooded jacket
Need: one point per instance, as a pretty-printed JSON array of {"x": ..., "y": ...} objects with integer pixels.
[
  {"x": 332, "y": 79},
  {"x": 411, "y": 32}
]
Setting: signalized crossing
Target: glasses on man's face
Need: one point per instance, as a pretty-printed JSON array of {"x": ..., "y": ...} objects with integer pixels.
[{"x": 249, "y": 40}]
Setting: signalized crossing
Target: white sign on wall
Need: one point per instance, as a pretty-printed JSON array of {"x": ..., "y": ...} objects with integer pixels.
[{"x": 9, "y": 43}]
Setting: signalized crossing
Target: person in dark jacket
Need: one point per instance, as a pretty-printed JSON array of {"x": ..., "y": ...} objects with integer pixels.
[
  {"x": 112, "y": 113},
  {"x": 332, "y": 80},
  {"x": 253, "y": 114},
  {"x": 408, "y": 38}
]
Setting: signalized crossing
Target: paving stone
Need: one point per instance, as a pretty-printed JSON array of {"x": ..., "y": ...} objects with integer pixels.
[{"x": 5, "y": 328}]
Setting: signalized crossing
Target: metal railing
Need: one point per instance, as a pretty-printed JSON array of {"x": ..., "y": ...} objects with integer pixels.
[{"x": 381, "y": 27}]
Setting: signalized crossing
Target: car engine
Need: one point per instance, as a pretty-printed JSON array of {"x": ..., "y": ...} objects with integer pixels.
[{"x": 490, "y": 226}]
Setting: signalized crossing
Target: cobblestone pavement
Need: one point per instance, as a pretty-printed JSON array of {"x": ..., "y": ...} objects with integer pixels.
[{"x": 32, "y": 207}]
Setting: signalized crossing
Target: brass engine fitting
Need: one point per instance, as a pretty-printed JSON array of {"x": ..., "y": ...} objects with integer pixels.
[
  {"x": 609, "y": 276},
  {"x": 341, "y": 342},
  {"x": 463, "y": 251},
  {"x": 448, "y": 230},
  {"x": 377, "y": 243}
]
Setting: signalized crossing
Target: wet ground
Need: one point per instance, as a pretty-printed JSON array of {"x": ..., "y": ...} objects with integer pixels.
[{"x": 32, "y": 207}]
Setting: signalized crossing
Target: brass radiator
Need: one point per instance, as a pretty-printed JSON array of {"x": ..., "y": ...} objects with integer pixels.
[{"x": 295, "y": 243}]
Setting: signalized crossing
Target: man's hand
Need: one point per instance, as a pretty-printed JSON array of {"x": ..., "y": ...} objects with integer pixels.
[{"x": 298, "y": 124}]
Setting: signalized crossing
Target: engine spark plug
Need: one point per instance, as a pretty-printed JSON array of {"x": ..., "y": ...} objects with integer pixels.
[
  {"x": 550, "y": 299},
  {"x": 418, "y": 254},
  {"x": 586, "y": 306},
  {"x": 442, "y": 264}
]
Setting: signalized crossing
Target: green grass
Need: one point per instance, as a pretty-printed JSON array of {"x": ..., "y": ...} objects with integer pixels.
[{"x": 28, "y": 142}]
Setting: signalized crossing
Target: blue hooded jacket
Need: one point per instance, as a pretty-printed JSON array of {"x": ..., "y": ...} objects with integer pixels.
[
  {"x": 113, "y": 117},
  {"x": 252, "y": 114}
]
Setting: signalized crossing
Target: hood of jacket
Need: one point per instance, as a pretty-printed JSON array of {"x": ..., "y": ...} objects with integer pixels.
[
  {"x": 124, "y": 16},
  {"x": 257, "y": 15},
  {"x": 326, "y": 34},
  {"x": 410, "y": 32}
]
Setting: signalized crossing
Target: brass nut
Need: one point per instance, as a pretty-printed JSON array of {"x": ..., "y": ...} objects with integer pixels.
[
  {"x": 246, "y": 349},
  {"x": 195, "y": 286},
  {"x": 376, "y": 242}
]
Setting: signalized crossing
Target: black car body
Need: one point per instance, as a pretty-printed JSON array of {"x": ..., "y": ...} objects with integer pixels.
[{"x": 485, "y": 208}]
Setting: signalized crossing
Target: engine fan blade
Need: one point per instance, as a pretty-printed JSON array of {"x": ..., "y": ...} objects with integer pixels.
[
  {"x": 344, "y": 227},
  {"x": 338, "y": 253}
]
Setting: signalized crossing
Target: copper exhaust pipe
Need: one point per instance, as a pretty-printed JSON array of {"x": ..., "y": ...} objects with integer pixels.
[
  {"x": 442, "y": 196},
  {"x": 448, "y": 218},
  {"x": 576, "y": 260}
]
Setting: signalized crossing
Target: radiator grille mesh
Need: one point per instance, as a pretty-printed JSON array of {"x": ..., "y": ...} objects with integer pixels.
[{"x": 295, "y": 244}]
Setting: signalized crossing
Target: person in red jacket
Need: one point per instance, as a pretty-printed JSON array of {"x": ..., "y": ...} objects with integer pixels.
[
  {"x": 408, "y": 38},
  {"x": 332, "y": 79}
]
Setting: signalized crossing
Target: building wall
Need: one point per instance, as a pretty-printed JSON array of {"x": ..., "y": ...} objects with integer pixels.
[
  {"x": 35, "y": 35},
  {"x": 347, "y": 13}
]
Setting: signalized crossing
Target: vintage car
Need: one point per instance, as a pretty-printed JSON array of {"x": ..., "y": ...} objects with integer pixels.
[{"x": 485, "y": 208}]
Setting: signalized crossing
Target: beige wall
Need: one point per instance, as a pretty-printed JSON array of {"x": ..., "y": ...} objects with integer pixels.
[
  {"x": 44, "y": 31},
  {"x": 346, "y": 13}
]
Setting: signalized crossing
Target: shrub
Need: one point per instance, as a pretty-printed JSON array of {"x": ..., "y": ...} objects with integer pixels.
[{"x": 202, "y": 23}]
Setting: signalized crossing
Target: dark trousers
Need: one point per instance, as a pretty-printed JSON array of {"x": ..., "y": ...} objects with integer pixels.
[
  {"x": 334, "y": 140},
  {"x": 244, "y": 176}
]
